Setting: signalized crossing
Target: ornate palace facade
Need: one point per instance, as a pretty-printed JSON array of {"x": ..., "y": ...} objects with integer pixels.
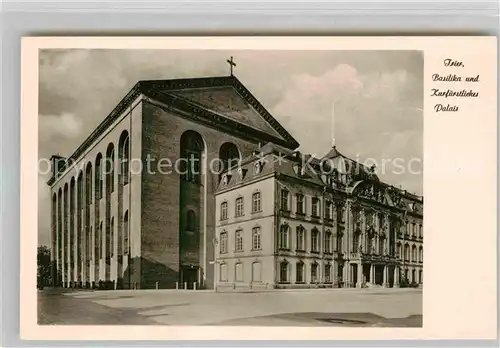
[{"x": 287, "y": 220}]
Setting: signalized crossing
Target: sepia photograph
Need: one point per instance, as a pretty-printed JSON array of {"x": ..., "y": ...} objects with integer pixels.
[{"x": 230, "y": 187}]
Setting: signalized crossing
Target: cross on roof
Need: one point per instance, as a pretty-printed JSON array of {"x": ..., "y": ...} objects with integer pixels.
[{"x": 231, "y": 64}]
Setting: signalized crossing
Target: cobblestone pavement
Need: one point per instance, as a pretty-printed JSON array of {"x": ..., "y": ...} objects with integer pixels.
[{"x": 318, "y": 307}]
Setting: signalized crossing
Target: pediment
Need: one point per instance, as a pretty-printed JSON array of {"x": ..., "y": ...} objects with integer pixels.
[
  {"x": 226, "y": 101},
  {"x": 224, "y": 97}
]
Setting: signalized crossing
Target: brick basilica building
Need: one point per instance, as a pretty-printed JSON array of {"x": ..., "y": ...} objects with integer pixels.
[{"x": 138, "y": 203}]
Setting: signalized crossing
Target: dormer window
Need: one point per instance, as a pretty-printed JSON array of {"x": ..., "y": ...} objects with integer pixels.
[
  {"x": 299, "y": 170},
  {"x": 225, "y": 179},
  {"x": 258, "y": 167},
  {"x": 302, "y": 171},
  {"x": 241, "y": 173},
  {"x": 412, "y": 206}
]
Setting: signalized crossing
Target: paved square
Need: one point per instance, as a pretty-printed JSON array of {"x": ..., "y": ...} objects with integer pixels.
[{"x": 318, "y": 307}]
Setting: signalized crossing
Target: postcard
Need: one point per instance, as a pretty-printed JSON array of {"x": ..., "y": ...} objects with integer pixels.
[{"x": 286, "y": 188}]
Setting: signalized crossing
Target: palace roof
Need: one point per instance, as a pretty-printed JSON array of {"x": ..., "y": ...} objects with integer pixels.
[{"x": 272, "y": 159}]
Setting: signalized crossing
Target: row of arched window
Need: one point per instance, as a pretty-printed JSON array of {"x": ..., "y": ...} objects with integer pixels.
[
  {"x": 239, "y": 274},
  {"x": 300, "y": 272},
  {"x": 285, "y": 239},
  {"x": 104, "y": 168},
  {"x": 78, "y": 196},
  {"x": 373, "y": 244},
  {"x": 239, "y": 245},
  {"x": 239, "y": 206},
  {"x": 123, "y": 247},
  {"x": 412, "y": 254},
  {"x": 316, "y": 212},
  {"x": 414, "y": 229}
]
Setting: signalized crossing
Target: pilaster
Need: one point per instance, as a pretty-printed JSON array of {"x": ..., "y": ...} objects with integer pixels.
[
  {"x": 396, "y": 277},
  {"x": 360, "y": 275}
]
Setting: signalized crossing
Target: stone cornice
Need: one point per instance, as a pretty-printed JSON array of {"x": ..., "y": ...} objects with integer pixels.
[
  {"x": 151, "y": 87},
  {"x": 207, "y": 82},
  {"x": 184, "y": 108},
  {"x": 113, "y": 116}
]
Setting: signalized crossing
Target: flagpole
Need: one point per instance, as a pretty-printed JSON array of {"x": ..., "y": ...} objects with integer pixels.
[{"x": 332, "y": 119}]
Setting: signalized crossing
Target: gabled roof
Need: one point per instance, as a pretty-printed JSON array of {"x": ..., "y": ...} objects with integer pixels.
[
  {"x": 345, "y": 165},
  {"x": 198, "y": 99},
  {"x": 270, "y": 159},
  {"x": 223, "y": 99}
]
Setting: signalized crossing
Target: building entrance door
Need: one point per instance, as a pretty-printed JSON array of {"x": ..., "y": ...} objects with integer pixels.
[
  {"x": 379, "y": 274},
  {"x": 189, "y": 275}
]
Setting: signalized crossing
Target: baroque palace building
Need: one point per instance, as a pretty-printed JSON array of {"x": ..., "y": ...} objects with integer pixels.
[
  {"x": 140, "y": 203},
  {"x": 285, "y": 219}
]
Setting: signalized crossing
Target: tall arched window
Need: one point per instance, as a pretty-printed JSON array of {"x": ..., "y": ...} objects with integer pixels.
[
  {"x": 54, "y": 225},
  {"x": 339, "y": 244},
  {"x": 328, "y": 242},
  {"x": 414, "y": 253},
  {"x": 256, "y": 245},
  {"x": 299, "y": 276},
  {"x": 68, "y": 206},
  {"x": 98, "y": 177},
  {"x": 284, "y": 271},
  {"x": 256, "y": 272},
  {"x": 407, "y": 252},
  {"x": 381, "y": 245},
  {"x": 421, "y": 254},
  {"x": 328, "y": 273},
  {"x": 238, "y": 238},
  {"x": 79, "y": 206},
  {"x": 88, "y": 227},
  {"x": 191, "y": 156},
  {"x": 126, "y": 233},
  {"x": 256, "y": 203},
  {"x": 315, "y": 240},
  {"x": 229, "y": 156},
  {"x": 88, "y": 184},
  {"x": 239, "y": 208},
  {"x": 314, "y": 272},
  {"x": 355, "y": 241},
  {"x": 79, "y": 197},
  {"x": 124, "y": 158},
  {"x": 223, "y": 211},
  {"x": 300, "y": 238},
  {"x": 89, "y": 244},
  {"x": 110, "y": 168},
  {"x": 112, "y": 237},
  {"x": 284, "y": 237},
  {"x": 223, "y": 242},
  {"x": 191, "y": 221},
  {"x": 60, "y": 240},
  {"x": 100, "y": 248}
]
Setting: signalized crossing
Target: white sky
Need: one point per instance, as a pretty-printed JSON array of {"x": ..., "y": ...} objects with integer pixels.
[{"x": 378, "y": 98}]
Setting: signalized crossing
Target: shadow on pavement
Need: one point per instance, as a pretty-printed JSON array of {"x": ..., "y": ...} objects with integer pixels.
[{"x": 327, "y": 319}]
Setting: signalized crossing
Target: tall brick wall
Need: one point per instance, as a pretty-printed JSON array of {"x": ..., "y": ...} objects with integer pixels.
[{"x": 161, "y": 134}]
